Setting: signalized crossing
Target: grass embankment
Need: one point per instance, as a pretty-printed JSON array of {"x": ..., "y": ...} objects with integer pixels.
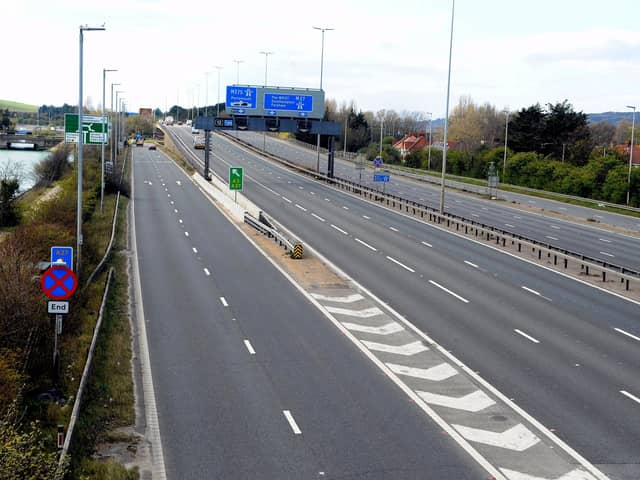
[{"x": 17, "y": 106}]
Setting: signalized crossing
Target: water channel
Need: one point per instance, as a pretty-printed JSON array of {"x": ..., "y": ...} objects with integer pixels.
[{"x": 22, "y": 162}]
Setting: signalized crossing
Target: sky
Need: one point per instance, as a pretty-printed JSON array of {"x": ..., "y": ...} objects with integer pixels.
[{"x": 380, "y": 54}]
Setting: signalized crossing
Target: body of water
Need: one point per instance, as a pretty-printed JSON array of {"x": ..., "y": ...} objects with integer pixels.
[{"x": 23, "y": 161}]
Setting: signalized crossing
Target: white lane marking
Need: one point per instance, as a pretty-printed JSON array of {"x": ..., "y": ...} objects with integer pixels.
[
  {"x": 363, "y": 313},
  {"x": 169, "y": 195},
  {"x": 180, "y": 220},
  {"x": 163, "y": 185},
  {"x": 628, "y": 395},
  {"x": 364, "y": 216},
  {"x": 195, "y": 250},
  {"x": 186, "y": 234},
  {"x": 171, "y": 202},
  {"x": 301, "y": 207},
  {"x": 436, "y": 284},
  {"x": 509, "y": 225},
  {"x": 427, "y": 244},
  {"x": 312, "y": 193},
  {"x": 434, "y": 374},
  {"x": 247, "y": 344},
  {"x": 318, "y": 217},
  {"x": 393, "y": 228},
  {"x": 551, "y": 238},
  {"x": 339, "y": 229},
  {"x": 179, "y": 183},
  {"x": 348, "y": 299},
  {"x": 485, "y": 208},
  {"x": 630, "y": 335},
  {"x": 401, "y": 264},
  {"x": 327, "y": 200},
  {"x": 286, "y": 199},
  {"x": 528, "y": 337},
  {"x": 577, "y": 474},
  {"x": 175, "y": 210},
  {"x": 224, "y": 302},
  {"x": 292, "y": 422},
  {"x": 366, "y": 245},
  {"x": 598, "y": 216},
  {"x": 532, "y": 201},
  {"x": 517, "y": 217},
  {"x": 301, "y": 188},
  {"x": 207, "y": 272},
  {"x": 387, "y": 329},
  {"x": 472, "y": 402},
  {"x": 346, "y": 208},
  {"x": 475, "y": 215},
  {"x": 531, "y": 290},
  {"x": 471, "y": 264},
  {"x": 555, "y": 227},
  {"x": 406, "y": 350},
  {"x": 607, "y": 254},
  {"x": 518, "y": 438},
  {"x": 604, "y": 240}
]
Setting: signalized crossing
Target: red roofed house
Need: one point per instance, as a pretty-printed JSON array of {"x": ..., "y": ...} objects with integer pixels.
[
  {"x": 411, "y": 142},
  {"x": 624, "y": 149}
]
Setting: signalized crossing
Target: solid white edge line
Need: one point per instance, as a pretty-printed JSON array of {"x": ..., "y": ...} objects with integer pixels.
[
  {"x": 528, "y": 337},
  {"x": 630, "y": 335},
  {"x": 339, "y": 229},
  {"x": 366, "y": 245},
  {"x": 445, "y": 289},
  {"x": 471, "y": 264},
  {"x": 224, "y": 301},
  {"x": 393, "y": 228},
  {"x": 629, "y": 395},
  {"x": 207, "y": 272},
  {"x": 318, "y": 217},
  {"x": 530, "y": 290},
  {"x": 247, "y": 344},
  {"x": 292, "y": 422},
  {"x": 608, "y": 254},
  {"x": 152, "y": 433},
  {"x": 428, "y": 410},
  {"x": 401, "y": 264},
  {"x": 427, "y": 244},
  {"x": 286, "y": 199}
]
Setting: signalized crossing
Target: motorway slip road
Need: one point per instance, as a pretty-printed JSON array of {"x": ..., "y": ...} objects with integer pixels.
[
  {"x": 251, "y": 380},
  {"x": 566, "y": 352}
]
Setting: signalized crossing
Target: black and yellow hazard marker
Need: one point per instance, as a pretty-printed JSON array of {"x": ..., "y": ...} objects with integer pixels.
[{"x": 297, "y": 251}]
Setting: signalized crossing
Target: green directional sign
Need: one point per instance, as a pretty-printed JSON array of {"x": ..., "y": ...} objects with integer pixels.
[
  {"x": 91, "y": 129},
  {"x": 235, "y": 178}
]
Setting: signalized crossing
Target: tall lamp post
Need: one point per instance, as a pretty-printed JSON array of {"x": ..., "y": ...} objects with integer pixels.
[
  {"x": 206, "y": 94},
  {"x": 446, "y": 115},
  {"x": 633, "y": 127},
  {"x": 238, "y": 62},
  {"x": 118, "y": 125},
  {"x": 429, "y": 155},
  {"x": 322, "y": 29},
  {"x": 112, "y": 121},
  {"x": 266, "y": 61},
  {"x": 219, "y": 68},
  {"x": 83, "y": 28},
  {"x": 104, "y": 136},
  {"x": 506, "y": 135}
]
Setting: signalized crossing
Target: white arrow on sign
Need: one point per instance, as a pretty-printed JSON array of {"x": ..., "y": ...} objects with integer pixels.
[
  {"x": 473, "y": 402},
  {"x": 406, "y": 350},
  {"x": 388, "y": 329},
  {"x": 234, "y": 171},
  {"x": 435, "y": 374},
  {"x": 517, "y": 438},
  {"x": 364, "y": 313},
  {"x": 572, "y": 475}
]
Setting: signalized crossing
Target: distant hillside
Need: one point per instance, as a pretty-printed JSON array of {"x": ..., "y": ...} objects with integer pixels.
[
  {"x": 17, "y": 106},
  {"x": 610, "y": 117}
]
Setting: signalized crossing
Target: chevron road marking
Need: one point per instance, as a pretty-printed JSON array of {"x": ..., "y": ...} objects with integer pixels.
[
  {"x": 473, "y": 402},
  {"x": 387, "y": 329},
  {"x": 517, "y": 438},
  {"x": 406, "y": 350},
  {"x": 364, "y": 313},
  {"x": 572, "y": 475},
  {"x": 348, "y": 299},
  {"x": 435, "y": 374}
]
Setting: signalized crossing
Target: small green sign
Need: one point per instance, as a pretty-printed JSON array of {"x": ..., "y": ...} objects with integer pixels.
[
  {"x": 91, "y": 128},
  {"x": 235, "y": 178}
]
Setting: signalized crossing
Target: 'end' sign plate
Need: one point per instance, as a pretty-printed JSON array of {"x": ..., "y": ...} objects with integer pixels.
[{"x": 58, "y": 307}]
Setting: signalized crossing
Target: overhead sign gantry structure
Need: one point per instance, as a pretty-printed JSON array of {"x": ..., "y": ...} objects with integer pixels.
[{"x": 272, "y": 109}]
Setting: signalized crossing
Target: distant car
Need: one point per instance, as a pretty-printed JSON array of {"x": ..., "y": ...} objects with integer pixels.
[
  {"x": 198, "y": 143},
  {"x": 152, "y": 146},
  {"x": 195, "y": 131}
]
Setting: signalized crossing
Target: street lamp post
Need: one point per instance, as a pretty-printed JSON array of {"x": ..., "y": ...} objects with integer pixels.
[
  {"x": 83, "y": 28},
  {"x": 206, "y": 94},
  {"x": 238, "y": 62},
  {"x": 446, "y": 116},
  {"x": 506, "y": 133},
  {"x": 322, "y": 29},
  {"x": 633, "y": 127},
  {"x": 266, "y": 58},
  {"x": 429, "y": 154},
  {"x": 381, "y": 133},
  {"x": 112, "y": 121},
  {"x": 219, "y": 68},
  {"x": 104, "y": 137},
  {"x": 118, "y": 125}
]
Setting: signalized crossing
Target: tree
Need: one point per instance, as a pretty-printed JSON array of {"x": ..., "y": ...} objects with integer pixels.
[
  {"x": 9, "y": 187},
  {"x": 602, "y": 133},
  {"x": 526, "y": 129},
  {"x": 564, "y": 127},
  {"x": 474, "y": 126}
]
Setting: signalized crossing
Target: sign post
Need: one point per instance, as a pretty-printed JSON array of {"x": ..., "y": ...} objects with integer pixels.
[
  {"x": 235, "y": 180},
  {"x": 58, "y": 283}
]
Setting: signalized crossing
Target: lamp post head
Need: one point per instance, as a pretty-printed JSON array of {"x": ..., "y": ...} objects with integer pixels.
[
  {"x": 87, "y": 28},
  {"x": 632, "y": 107}
]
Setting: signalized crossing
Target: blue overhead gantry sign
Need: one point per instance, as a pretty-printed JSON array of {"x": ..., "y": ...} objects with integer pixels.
[
  {"x": 284, "y": 102},
  {"x": 240, "y": 99},
  {"x": 300, "y": 105}
]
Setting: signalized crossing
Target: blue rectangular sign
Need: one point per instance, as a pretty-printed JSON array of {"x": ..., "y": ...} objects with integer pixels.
[
  {"x": 283, "y": 101},
  {"x": 381, "y": 177},
  {"x": 62, "y": 254},
  {"x": 241, "y": 98}
]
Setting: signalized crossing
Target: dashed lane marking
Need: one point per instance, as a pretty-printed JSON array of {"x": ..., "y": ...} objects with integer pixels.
[
  {"x": 630, "y": 335},
  {"x": 339, "y": 229},
  {"x": 366, "y": 245},
  {"x": 292, "y": 422},
  {"x": 247, "y": 344},
  {"x": 445, "y": 289},
  {"x": 528, "y": 337},
  {"x": 401, "y": 264}
]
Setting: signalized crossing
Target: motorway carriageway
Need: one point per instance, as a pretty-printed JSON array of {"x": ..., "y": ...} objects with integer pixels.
[
  {"x": 616, "y": 248},
  {"x": 250, "y": 380},
  {"x": 568, "y": 353}
]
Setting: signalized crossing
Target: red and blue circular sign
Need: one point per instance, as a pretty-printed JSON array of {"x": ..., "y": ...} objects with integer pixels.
[{"x": 58, "y": 283}]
